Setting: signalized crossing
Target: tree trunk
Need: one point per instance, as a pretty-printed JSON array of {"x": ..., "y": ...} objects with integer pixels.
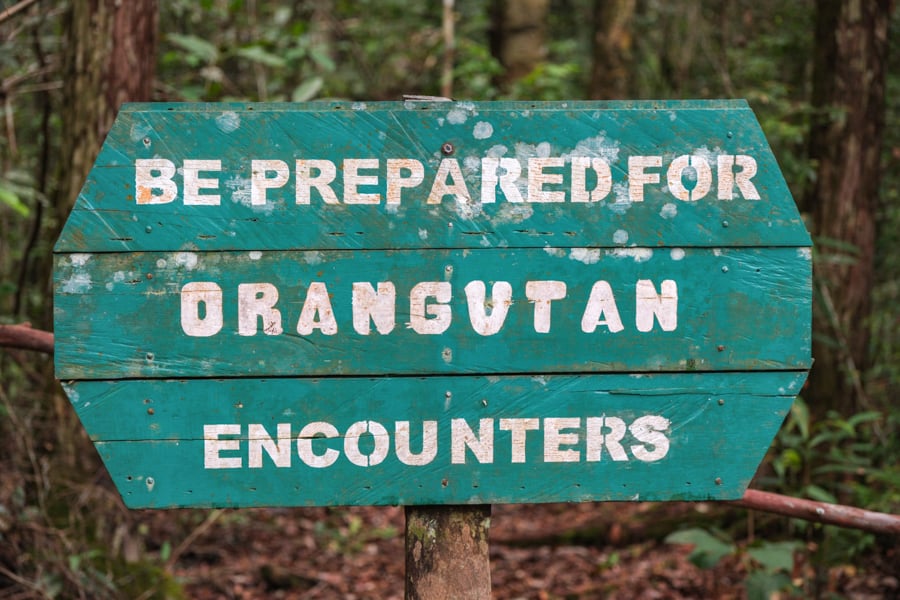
[
  {"x": 845, "y": 143},
  {"x": 447, "y": 553},
  {"x": 518, "y": 36},
  {"x": 611, "y": 49},
  {"x": 110, "y": 59}
]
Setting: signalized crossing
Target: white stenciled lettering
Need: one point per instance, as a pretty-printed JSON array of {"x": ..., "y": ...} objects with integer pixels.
[
  {"x": 259, "y": 441},
  {"x": 213, "y": 446},
  {"x": 193, "y": 183},
  {"x": 257, "y": 301},
  {"x": 462, "y": 437},
  {"x": 501, "y": 298},
  {"x": 430, "y": 318},
  {"x": 351, "y": 443},
  {"x": 650, "y": 430},
  {"x": 154, "y": 174},
  {"x": 650, "y": 306},
  {"x": 207, "y": 295},
  {"x": 429, "y": 443},
  {"x": 260, "y": 182},
  {"x": 638, "y": 177},
  {"x": 312, "y": 431},
  {"x": 518, "y": 429},
  {"x": 396, "y": 181},
  {"x": 554, "y": 438},
  {"x": 371, "y": 306},
  {"x": 325, "y": 173},
  {"x": 601, "y": 309},
  {"x": 542, "y": 293},
  {"x": 317, "y": 312}
]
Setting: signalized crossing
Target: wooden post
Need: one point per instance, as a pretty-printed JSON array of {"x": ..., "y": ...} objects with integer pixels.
[{"x": 447, "y": 552}]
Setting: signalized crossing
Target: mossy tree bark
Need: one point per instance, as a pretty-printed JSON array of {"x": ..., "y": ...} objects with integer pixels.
[
  {"x": 845, "y": 144},
  {"x": 447, "y": 553}
]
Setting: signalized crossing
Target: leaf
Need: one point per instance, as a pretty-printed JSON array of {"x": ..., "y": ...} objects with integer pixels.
[
  {"x": 763, "y": 586},
  {"x": 775, "y": 556},
  {"x": 820, "y": 494},
  {"x": 262, "y": 56},
  {"x": 10, "y": 199},
  {"x": 196, "y": 46},
  {"x": 308, "y": 89},
  {"x": 708, "y": 549}
]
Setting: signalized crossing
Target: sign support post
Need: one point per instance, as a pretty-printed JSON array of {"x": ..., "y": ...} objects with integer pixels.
[{"x": 447, "y": 552}]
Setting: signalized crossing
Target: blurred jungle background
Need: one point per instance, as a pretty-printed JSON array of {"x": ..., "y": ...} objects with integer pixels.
[{"x": 824, "y": 80}]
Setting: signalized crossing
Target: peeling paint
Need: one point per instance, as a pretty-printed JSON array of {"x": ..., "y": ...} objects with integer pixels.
[
  {"x": 668, "y": 211},
  {"x": 677, "y": 253},
  {"x": 483, "y": 130},
  {"x": 255, "y": 255},
  {"x": 620, "y": 236},
  {"x": 161, "y": 263},
  {"x": 79, "y": 260},
  {"x": 188, "y": 260},
  {"x": 78, "y": 283},
  {"x": 456, "y": 116},
  {"x": 228, "y": 122},
  {"x": 638, "y": 254},
  {"x": 557, "y": 252},
  {"x": 588, "y": 256}
]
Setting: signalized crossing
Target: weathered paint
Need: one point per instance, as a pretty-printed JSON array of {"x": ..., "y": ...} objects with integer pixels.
[
  {"x": 467, "y": 302},
  {"x": 736, "y": 309},
  {"x": 719, "y": 428}
]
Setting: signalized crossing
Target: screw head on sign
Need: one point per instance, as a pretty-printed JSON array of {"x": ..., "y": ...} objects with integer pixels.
[{"x": 447, "y": 148}]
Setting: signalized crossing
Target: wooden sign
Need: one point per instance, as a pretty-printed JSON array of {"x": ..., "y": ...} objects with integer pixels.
[{"x": 432, "y": 303}]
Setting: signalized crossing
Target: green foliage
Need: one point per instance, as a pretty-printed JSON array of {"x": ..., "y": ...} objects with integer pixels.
[{"x": 768, "y": 564}]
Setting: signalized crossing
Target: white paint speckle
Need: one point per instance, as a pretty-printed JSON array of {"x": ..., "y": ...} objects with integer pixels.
[
  {"x": 557, "y": 252},
  {"x": 228, "y": 121},
  {"x": 188, "y": 260},
  {"x": 423, "y": 234},
  {"x": 638, "y": 254},
  {"x": 497, "y": 151},
  {"x": 598, "y": 146},
  {"x": 677, "y": 253},
  {"x": 312, "y": 257},
  {"x": 588, "y": 256},
  {"x": 79, "y": 283},
  {"x": 255, "y": 255},
  {"x": 358, "y": 106},
  {"x": 483, "y": 130},
  {"x": 161, "y": 263},
  {"x": 456, "y": 116},
  {"x": 139, "y": 131},
  {"x": 79, "y": 260},
  {"x": 717, "y": 252},
  {"x": 668, "y": 211},
  {"x": 620, "y": 236},
  {"x": 805, "y": 253},
  {"x": 240, "y": 189},
  {"x": 513, "y": 212}
]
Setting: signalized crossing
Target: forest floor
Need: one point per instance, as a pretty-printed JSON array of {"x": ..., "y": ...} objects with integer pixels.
[{"x": 549, "y": 551}]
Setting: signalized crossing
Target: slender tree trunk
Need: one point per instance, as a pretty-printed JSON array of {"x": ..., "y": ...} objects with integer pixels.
[
  {"x": 518, "y": 36},
  {"x": 447, "y": 553},
  {"x": 110, "y": 59},
  {"x": 611, "y": 49},
  {"x": 845, "y": 143}
]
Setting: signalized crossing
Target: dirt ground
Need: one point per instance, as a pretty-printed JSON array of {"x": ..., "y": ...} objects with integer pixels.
[{"x": 550, "y": 551}]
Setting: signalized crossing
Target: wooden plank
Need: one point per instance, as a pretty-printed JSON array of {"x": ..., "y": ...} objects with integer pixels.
[
  {"x": 108, "y": 218},
  {"x": 151, "y": 435},
  {"x": 736, "y": 309}
]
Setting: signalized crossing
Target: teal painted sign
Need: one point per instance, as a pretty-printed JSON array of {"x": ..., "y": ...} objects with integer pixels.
[{"x": 426, "y": 303}]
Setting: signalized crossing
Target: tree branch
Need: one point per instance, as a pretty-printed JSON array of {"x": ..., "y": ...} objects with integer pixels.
[
  {"x": 821, "y": 512},
  {"x": 24, "y": 337}
]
